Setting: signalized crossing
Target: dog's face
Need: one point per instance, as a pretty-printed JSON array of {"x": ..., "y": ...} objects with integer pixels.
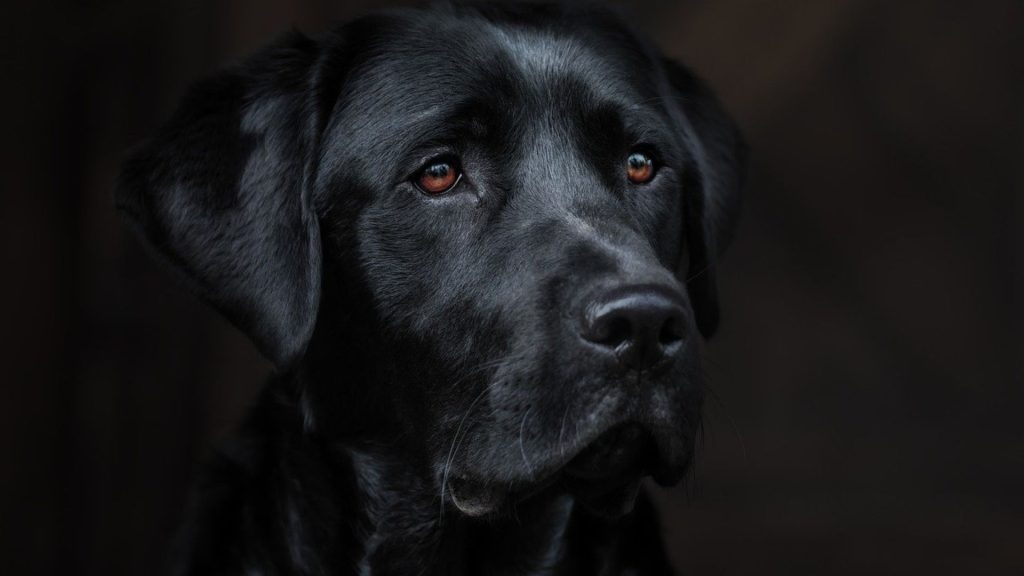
[{"x": 520, "y": 207}]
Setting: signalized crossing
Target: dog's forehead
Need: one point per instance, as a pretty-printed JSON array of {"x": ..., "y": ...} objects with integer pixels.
[
  {"x": 544, "y": 55},
  {"x": 417, "y": 70}
]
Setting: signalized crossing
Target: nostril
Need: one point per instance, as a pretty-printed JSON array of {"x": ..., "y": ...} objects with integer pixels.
[
  {"x": 671, "y": 331},
  {"x": 614, "y": 331}
]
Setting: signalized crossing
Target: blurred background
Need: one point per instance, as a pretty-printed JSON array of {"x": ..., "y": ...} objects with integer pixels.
[{"x": 868, "y": 377}]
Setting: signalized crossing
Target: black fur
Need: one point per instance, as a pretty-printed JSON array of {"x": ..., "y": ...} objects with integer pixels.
[{"x": 437, "y": 407}]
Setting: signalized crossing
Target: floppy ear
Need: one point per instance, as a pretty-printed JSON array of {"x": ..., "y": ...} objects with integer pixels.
[
  {"x": 222, "y": 192},
  {"x": 713, "y": 185}
]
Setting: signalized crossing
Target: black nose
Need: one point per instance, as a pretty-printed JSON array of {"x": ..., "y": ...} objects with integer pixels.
[{"x": 641, "y": 325}]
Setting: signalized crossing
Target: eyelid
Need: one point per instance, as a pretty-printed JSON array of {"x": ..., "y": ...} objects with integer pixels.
[
  {"x": 450, "y": 159},
  {"x": 428, "y": 156},
  {"x": 647, "y": 149}
]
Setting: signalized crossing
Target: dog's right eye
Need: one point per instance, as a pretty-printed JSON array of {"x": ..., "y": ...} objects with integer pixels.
[
  {"x": 438, "y": 177},
  {"x": 639, "y": 168}
]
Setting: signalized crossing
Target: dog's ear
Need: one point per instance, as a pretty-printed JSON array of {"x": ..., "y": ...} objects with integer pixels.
[
  {"x": 712, "y": 187},
  {"x": 223, "y": 193}
]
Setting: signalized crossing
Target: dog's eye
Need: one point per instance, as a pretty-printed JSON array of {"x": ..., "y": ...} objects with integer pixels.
[
  {"x": 438, "y": 177},
  {"x": 639, "y": 168}
]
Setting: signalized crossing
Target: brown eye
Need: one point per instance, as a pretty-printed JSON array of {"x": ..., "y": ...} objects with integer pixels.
[
  {"x": 639, "y": 168},
  {"x": 438, "y": 177}
]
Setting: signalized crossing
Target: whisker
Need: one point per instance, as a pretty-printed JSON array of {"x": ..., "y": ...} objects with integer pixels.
[
  {"x": 561, "y": 432},
  {"x": 522, "y": 449},
  {"x": 451, "y": 451},
  {"x": 728, "y": 415},
  {"x": 697, "y": 273},
  {"x": 459, "y": 436}
]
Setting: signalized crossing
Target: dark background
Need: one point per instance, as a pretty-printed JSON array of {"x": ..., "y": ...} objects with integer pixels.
[{"x": 869, "y": 373}]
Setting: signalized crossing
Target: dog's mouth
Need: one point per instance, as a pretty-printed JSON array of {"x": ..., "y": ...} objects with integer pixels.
[{"x": 604, "y": 477}]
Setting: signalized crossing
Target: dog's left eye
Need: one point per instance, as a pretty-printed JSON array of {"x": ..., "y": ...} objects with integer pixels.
[
  {"x": 639, "y": 168},
  {"x": 438, "y": 177}
]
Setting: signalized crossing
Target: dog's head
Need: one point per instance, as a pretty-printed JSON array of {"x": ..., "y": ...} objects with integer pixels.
[{"x": 508, "y": 217}]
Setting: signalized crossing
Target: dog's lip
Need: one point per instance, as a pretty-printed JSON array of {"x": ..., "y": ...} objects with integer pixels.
[
  {"x": 606, "y": 489},
  {"x": 482, "y": 497},
  {"x": 475, "y": 498}
]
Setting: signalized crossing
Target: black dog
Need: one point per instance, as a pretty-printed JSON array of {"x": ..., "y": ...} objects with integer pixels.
[{"x": 478, "y": 243}]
